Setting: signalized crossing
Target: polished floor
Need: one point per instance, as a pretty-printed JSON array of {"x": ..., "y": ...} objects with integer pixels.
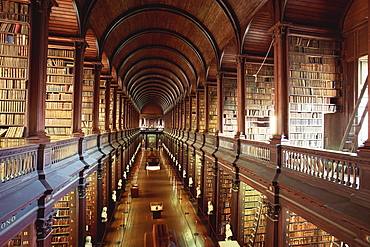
[{"x": 133, "y": 217}]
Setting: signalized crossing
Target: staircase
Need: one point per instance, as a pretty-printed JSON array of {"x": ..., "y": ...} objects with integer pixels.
[{"x": 350, "y": 137}]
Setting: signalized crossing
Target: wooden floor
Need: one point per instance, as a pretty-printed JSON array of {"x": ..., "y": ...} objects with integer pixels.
[{"x": 133, "y": 218}]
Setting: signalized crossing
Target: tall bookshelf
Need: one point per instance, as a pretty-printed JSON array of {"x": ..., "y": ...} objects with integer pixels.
[
  {"x": 254, "y": 219},
  {"x": 102, "y": 106},
  {"x": 187, "y": 114},
  {"x": 24, "y": 238},
  {"x": 259, "y": 101},
  {"x": 202, "y": 114},
  {"x": 59, "y": 91},
  {"x": 14, "y": 53},
  {"x": 64, "y": 223},
  {"x": 209, "y": 181},
  {"x": 304, "y": 233},
  {"x": 91, "y": 206},
  {"x": 212, "y": 114},
  {"x": 193, "y": 115},
  {"x": 230, "y": 106},
  {"x": 111, "y": 103},
  {"x": 87, "y": 100},
  {"x": 315, "y": 88},
  {"x": 226, "y": 183}
]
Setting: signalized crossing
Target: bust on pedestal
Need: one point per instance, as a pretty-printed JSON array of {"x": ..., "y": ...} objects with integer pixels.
[{"x": 104, "y": 215}]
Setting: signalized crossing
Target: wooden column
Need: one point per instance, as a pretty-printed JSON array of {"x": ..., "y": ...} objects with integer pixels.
[
  {"x": 191, "y": 102},
  {"x": 82, "y": 212},
  {"x": 281, "y": 83},
  {"x": 240, "y": 62},
  {"x": 78, "y": 74},
  {"x": 40, "y": 15},
  {"x": 96, "y": 98},
  {"x": 124, "y": 109},
  {"x": 114, "y": 110},
  {"x": 107, "y": 105},
  {"x": 206, "y": 108},
  {"x": 120, "y": 112},
  {"x": 184, "y": 115},
  {"x": 220, "y": 106}
]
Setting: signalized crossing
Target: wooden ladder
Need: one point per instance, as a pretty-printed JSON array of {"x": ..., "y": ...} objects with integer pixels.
[
  {"x": 256, "y": 223},
  {"x": 350, "y": 137}
]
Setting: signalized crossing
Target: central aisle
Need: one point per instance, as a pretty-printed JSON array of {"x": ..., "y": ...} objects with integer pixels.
[{"x": 133, "y": 217}]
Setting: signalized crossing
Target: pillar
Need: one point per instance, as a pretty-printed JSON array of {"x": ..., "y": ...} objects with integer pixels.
[
  {"x": 96, "y": 98},
  {"x": 240, "y": 62},
  {"x": 107, "y": 105},
  {"x": 220, "y": 106},
  {"x": 40, "y": 11}
]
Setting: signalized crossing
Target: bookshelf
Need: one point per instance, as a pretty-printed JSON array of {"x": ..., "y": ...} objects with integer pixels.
[
  {"x": 64, "y": 222},
  {"x": 102, "y": 106},
  {"x": 187, "y": 114},
  {"x": 259, "y": 101},
  {"x": 202, "y": 113},
  {"x": 226, "y": 183},
  {"x": 59, "y": 91},
  {"x": 111, "y": 103},
  {"x": 193, "y": 114},
  {"x": 14, "y": 52},
  {"x": 212, "y": 114},
  {"x": 24, "y": 238},
  {"x": 91, "y": 206},
  {"x": 230, "y": 106},
  {"x": 303, "y": 232},
  {"x": 254, "y": 223},
  {"x": 87, "y": 100},
  {"x": 315, "y": 71},
  {"x": 209, "y": 181}
]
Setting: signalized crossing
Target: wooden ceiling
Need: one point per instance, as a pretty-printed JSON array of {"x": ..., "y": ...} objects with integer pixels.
[{"x": 162, "y": 50}]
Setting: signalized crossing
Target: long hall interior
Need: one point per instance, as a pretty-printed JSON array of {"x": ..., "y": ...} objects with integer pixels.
[{"x": 200, "y": 123}]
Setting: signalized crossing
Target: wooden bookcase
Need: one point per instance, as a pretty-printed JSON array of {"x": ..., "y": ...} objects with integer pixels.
[
  {"x": 65, "y": 221},
  {"x": 230, "y": 106},
  {"x": 254, "y": 219},
  {"x": 59, "y": 91},
  {"x": 315, "y": 67},
  {"x": 193, "y": 115},
  {"x": 202, "y": 113},
  {"x": 187, "y": 115},
  {"x": 212, "y": 124},
  {"x": 14, "y": 53},
  {"x": 209, "y": 182},
  {"x": 91, "y": 206},
  {"x": 259, "y": 101},
  {"x": 102, "y": 106},
  {"x": 226, "y": 183},
  {"x": 303, "y": 232},
  {"x": 111, "y": 103},
  {"x": 87, "y": 100},
  {"x": 24, "y": 238}
]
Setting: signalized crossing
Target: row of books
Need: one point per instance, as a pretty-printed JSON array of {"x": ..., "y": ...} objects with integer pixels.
[
  {"x": 14, "y": 40},
  {"x": 55, "y": 115},
  {"x": 58, "y": 121},
  {"x": 12, "y": 106},
  {"x": 59, "y": 96},
  {"x": 259, "y": 101},
  {"x": 314, "y": 43},
  {"x": 315, "y": 75},
  {"x": 13, "y": 94},
  {"x": 59, "y": 88},
  {"x": 7, "y": 27},
  {"x": 306, "y": 129},
  {"x": 11, "y": 142},
  {"x": 259, "y": 112},
  {"x": 306, "y": 136},
  {"x": 13, "y": 72},
  {"x": 303, "y": 107},
  {"x": 314, "y": 99},
  {"x": 12, "y": 84},
  {"x": 58, "y": 130},
  {"x": 258, "y": 96},
  {"x": 58, "y": 105},
  {"x": 59, "y": 79},
  {"x": 258, "y": 137},
  {"x": 86, "y": 104},
  {"x": 60, "y": 53},
  {"x": 314, "y": 91},
  {"x": 315, "y": 83},
  {"x": 13, "y": 62},
  {"x": 259, "y": 130},
  {"x": 12, "y": 132},
  {"x": 316, "y": 67},
  {"x": 265, "y": 90},
  {"x": 12, "y": 10},
  {"x": 313, "y": 59},
  {"x": 67, "y": 71},
  {"x": 310, "y": 50},
  {"x": 12, "y": 119},
  {"x": 306, "y": 143},
  {"x": 298, "y": 121}
]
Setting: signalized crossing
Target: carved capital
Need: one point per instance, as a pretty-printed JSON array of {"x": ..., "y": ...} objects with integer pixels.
[
  {"x": 44, "y": 5},
  {"x": 240, "y": 59},
  {"x": 272, "y": 210},
  {"x": 44, "y": 225},
  {"x": 82, "y": 190},
  {"x": 278, "y": 29}
]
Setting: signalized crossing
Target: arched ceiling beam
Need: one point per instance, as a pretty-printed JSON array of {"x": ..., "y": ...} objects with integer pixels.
[
  {"x": 168, "y": 48},
  {"x": 135, "y": 77},
  {"x": 160, "y": 92},
  {"x": 159, "y": 59},
  {"x": 154, "y": 83},
  {"x": 161, "y": 80},
  {"x": 148, "y": 96},
  {"x": 165, "y": 8},
  {"x": 160, "y": 31}
]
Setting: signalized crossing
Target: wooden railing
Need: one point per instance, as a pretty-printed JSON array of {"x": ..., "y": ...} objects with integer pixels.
[{"x": 17, "y": 162}]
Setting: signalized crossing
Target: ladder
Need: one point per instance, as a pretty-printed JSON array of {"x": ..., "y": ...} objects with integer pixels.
[
  {"x": 257, "y": 222},
  {"x": 350, "y": 137}
]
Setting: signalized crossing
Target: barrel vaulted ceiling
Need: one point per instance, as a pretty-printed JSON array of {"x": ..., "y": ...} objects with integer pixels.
[{"x": 161, "y": 51}]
